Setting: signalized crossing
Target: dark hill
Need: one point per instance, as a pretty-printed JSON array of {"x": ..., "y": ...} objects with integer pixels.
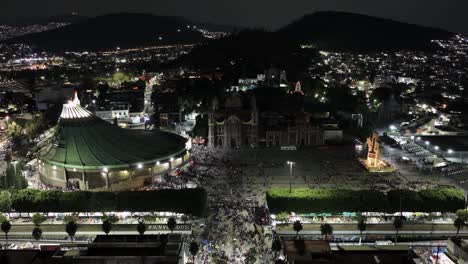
[
  {"x": 248, "y": 51},
  {"x": 346, "y": 31},
  {"x": 115, "y": 30},
  {"x": 257, "y": 49},
  {"x": 25, "y": 21}
]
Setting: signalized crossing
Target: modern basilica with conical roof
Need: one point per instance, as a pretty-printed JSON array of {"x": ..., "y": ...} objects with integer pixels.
[{"x": 91, "y": 154}]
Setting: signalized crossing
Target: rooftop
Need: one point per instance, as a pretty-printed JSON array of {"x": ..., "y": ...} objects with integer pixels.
[
  {"x": 454, "y": 143},
  {"x": 84, "y": 141}
]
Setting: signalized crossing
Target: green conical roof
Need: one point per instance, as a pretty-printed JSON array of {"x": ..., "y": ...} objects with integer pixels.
[{"x": 88, "y": 142}]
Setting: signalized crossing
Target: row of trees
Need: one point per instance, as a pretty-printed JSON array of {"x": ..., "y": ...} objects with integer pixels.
[
  {"x": 186, "y": 201},
  {"x": 31, "y": 128},
  {"x": 327, "y": 230},
  {"x": 13, "y": 177},
  {"x": 334, "y": 200},
  {"x": 71, "y": 226}
]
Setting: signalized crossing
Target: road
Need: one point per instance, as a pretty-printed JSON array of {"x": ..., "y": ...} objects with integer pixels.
[{"x": 377, "y": 230}]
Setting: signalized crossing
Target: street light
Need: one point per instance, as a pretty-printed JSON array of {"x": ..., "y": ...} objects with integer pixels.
[
  {"x": 427, "y": 143},
  {"x": 106, "y": 174},
  {"x": 461, "y": 154},
  {"x": 14, "y": 166},
  {"x": 290, "y": 163},
  {"x": 436, "y": 147}
]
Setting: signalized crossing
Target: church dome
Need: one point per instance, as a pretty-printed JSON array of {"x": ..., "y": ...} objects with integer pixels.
[{"x": 233, "y": 101}]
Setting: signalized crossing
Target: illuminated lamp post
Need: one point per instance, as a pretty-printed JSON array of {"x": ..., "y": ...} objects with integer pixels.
[
  {"x": 14, "y": 165},
  {"x": 450, "y": 151},
  {"x": 290, "y": 163},
  {"x": 170, "y": 163},
  {"x": 106, "y": 171}
]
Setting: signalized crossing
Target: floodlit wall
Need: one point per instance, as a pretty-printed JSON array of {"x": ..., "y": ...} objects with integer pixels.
[{"x": 114, "y": 180}]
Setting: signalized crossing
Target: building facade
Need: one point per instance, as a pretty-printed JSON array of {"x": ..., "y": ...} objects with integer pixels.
[
  {"x": 234, "y": 125},
  {"x": 300, "y": 132}
]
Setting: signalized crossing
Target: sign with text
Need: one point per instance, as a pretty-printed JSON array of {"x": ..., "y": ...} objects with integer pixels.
[{"x": 163, "y": 227}]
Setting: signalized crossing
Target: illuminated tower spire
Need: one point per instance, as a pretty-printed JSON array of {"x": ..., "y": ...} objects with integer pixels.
[{"x": 76, "y": 101}]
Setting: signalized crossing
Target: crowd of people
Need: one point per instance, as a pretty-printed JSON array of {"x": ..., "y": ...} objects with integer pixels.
[{"x": 229, "y": 233}]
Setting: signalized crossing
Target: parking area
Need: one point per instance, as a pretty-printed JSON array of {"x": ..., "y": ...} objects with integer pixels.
[{"x": 422, "y": 169}]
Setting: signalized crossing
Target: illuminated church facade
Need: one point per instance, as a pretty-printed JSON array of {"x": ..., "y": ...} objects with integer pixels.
[{"x": 233, "y": 125}]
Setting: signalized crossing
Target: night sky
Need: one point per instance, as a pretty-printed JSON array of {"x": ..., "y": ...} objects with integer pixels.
[{"x": 271, "y": 14}]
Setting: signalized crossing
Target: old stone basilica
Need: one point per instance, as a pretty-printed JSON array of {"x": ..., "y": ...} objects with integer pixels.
[
  {"x": 233, "y": 125},
  {"x": 236, "y": 124}
]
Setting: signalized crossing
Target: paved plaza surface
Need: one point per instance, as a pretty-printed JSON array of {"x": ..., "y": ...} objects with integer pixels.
[
  {"x": 325, "y": 167},
  {"x": 417, "y": 175},
  {"x": 236, "y": 181}
]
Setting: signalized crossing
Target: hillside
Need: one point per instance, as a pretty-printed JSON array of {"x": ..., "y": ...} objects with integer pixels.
[
  {"x": 111, "y": 31},
  {"x": 248, "y": 51},
  {"x": 257, "y": 49},
  {"x": 25, "y": 21},
  {"x": 353, "y": 32}
]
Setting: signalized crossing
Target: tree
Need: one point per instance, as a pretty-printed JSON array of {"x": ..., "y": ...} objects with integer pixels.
[
  {"x": 112, "y": 218},
  {"x": 326, "y": 230},
  {"x": 201, "y": 126},
  {"x": 5, "y": 201},
  {"x": 70, "y": 218},
  {"x": 463, "y": 214},
  {"x": 35, "y": 126},
  {"x": 38, "y": 219},
  {"x": 398, "y": 224},
  {"x": 141, "y": 227},
  {"x": 71, "y": 229},
  {"x": 297, "y": 226},
  {"x": 14, "y": 131},
  {"x": 14, "y": 175},
  {"x": 283, "y": 217},
  {"x": 184, "y": 218},
  {"x": 276, "y": 247},
  {"x": 361, "y": 225},
  {"x": 6, "y": 226},
  {"x": 171, "y": 224},
  {"x": 103, "y": 95},
  {"x": 37, "y": 233},
  {"x": 193, "y": 249},
  {"x": 458, "y": 223},
  {"x": 106, "y": 226}
]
